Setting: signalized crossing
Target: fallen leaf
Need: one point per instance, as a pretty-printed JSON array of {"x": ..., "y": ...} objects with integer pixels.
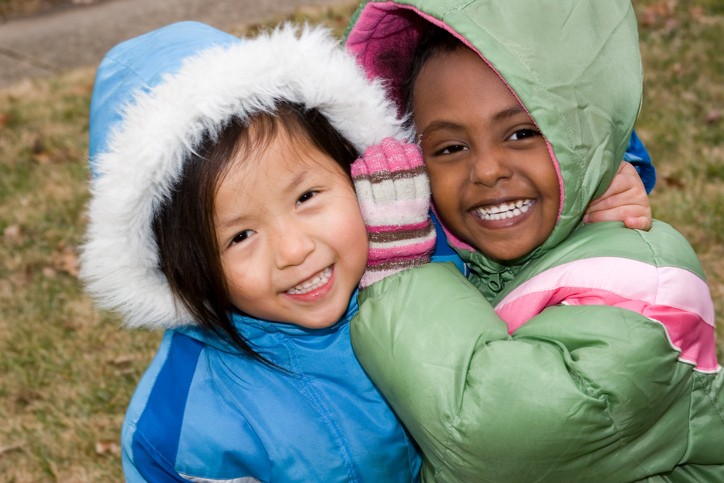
[
  {"x": 49, "y": 272},
  {"x": 122, "y": 361},
  {"x": 656, "y": 13},
  {"x": 11, "y": 447},
  {"x": 108, "y": 447},
  {"x": 42, "y": 158},
  {"x": 713, "y": 116},
  {"x": 67, "y": 262},
  {"x": 674, "y": 182},
  {"x": 12, "y": 233},
  {"x": 38, "y": 146}
]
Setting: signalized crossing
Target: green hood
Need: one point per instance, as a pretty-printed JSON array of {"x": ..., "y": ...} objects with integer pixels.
[{"x": 574, "y": 64}]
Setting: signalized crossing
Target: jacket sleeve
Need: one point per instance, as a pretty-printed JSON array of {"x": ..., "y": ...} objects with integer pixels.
[
  {"x": 578, "y": 391},
  {"x": 639, "y": 157},
  {"x": 143, "y": 463}
]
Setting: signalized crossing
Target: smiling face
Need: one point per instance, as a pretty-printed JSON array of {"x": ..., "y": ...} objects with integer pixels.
[
  {"x": 292, "y": 240},
  {"x": 493, "y": 182}
]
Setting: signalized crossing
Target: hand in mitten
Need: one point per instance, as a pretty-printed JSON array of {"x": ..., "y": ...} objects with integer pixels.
[{"x": 394, "y": 196}]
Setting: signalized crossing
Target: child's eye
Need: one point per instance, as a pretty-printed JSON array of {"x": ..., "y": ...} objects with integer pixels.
[
  {"x": 521, "y": 134},
  {"x": 308, "y": 195},
  {"x": 450, "y": 149},
  {"x": 241, "y": 236}
]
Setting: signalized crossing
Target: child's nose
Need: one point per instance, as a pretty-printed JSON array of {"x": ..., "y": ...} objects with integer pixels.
[
  {"x": 489, "y": 167},
  {"x": 293, "y": 245}
]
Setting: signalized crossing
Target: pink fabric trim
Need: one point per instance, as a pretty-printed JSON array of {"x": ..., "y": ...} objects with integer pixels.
[
  {"x": 396, "y": 228},
  {"x": 400, "y": 253},
  {"x": 675, "y": 297},
  {"x": 452, "y": 240},
  {"x": 557, "y": 166}
]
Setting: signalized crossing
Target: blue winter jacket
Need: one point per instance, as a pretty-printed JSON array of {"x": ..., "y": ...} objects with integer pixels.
[{"x": 315, "y": 418}]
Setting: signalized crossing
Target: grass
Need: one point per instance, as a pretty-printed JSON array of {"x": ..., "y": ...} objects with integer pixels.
[
  {"x": 681, "y": 125},
  {"x": 68, "y": 370}
]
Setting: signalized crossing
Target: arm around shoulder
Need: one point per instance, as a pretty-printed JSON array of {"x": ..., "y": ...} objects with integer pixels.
[{"x": 577, "y": 391}]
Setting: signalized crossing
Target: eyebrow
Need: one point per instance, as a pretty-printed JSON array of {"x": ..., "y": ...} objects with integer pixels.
[
  {"x": 439, "y": 126},
  {"x": 511, "y": 112},
  {"x": 231, "y": 222},
  {"x": 288, "y": 188},
  {"x": 507, "y": 113},
  {"x": 296, "y": 181}
]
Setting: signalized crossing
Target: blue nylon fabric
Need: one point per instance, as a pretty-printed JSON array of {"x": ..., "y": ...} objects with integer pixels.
[
  {"x": 639, "y": 157},
  {"x": 163, "y": 411},
  {"x": 140, "y": 64},
  {"x": 443, "y": 252},
  {"x": 322, "y": 420}
]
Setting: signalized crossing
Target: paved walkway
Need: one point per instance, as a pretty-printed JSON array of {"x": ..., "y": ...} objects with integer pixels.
[{"x": 68, "y": 38}]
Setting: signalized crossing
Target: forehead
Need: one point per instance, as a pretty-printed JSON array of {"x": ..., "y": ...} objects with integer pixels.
[
  {"x": 277, "y": 164},
  {"x": 461, "y": 68},
  {"x": 459, "y": 84}
]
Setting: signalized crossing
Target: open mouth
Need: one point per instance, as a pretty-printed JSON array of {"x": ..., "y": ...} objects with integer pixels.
[
  {"x": 312, "y": 283},
  {"x": 504, "y": 211}
]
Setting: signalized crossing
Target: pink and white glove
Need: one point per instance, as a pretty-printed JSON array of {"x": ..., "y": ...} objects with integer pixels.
[{"x": 394, "y": 196}]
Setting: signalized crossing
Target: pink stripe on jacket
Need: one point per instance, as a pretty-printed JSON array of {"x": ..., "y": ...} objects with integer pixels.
[{"x": 671, "y": 296}]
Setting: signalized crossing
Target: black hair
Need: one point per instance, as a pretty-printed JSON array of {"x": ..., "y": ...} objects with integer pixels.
[
  {"x": 183, "y": 226},
  {"x": 433, "y": 41}
]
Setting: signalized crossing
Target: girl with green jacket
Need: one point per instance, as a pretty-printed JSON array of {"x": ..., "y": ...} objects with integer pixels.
[{"x": 571, "y": 351}]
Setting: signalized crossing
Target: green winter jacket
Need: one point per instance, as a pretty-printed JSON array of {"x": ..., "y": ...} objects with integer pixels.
[{"x": 592, "y": 358}]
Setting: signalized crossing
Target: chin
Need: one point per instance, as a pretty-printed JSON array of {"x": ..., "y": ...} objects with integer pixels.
[
  {"x": 317, "y": 324},
  {"x": 504, "y": 254},
  {"x": 324, "y": 320}
]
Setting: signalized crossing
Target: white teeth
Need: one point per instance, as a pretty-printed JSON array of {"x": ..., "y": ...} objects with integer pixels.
[
  {"x": 504, "y": 210},
  {"x": 312, "y": 283}
]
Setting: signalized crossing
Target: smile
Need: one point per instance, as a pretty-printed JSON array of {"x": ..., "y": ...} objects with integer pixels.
[
  {"x": 313, "y": 283},
  {"x": 504, "y": 211}
]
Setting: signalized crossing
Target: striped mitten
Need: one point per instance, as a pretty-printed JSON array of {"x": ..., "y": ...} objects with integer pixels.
[{"x": 394, "y": 196}]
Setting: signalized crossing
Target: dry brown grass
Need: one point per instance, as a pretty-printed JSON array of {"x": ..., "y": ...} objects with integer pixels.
[{"x": 681, "y": 124}]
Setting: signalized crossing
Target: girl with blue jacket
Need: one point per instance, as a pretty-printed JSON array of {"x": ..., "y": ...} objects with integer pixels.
[{"x": 222, "y": 211}]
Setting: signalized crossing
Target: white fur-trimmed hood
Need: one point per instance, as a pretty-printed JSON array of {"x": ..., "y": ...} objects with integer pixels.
[{"x": 155, "y": 98}]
